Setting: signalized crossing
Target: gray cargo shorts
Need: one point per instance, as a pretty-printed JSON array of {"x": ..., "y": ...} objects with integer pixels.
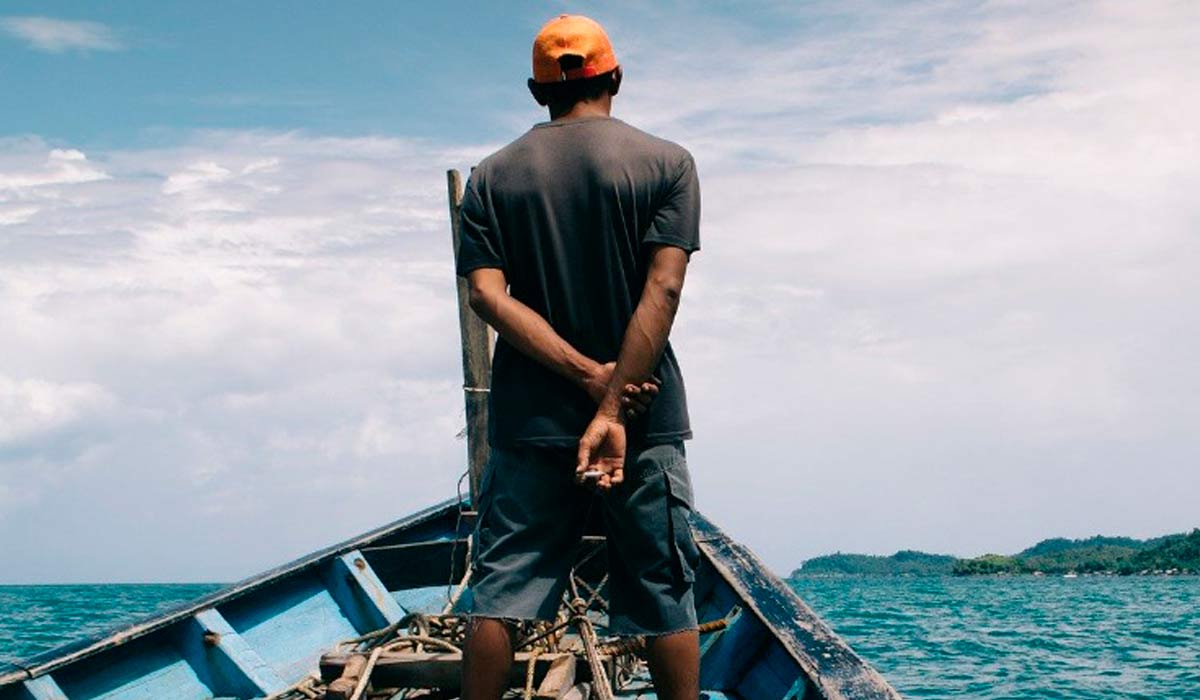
[{"x": 532, "y": 515}]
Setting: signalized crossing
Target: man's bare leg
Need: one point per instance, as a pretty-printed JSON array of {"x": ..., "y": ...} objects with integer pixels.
[
  {"x": 487, "y": 659},
  {"x": 675, "y": 665}
]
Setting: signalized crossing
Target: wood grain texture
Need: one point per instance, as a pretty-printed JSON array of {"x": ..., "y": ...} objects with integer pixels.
[
  {"x": 362, "y": 596},
  {"x": 476, "y": 351},
  {"x": 292, "y": 625},
  {"x": 420, "y": 564},
  {"x": 226, "y": 664},
  {"x": 830, "y": 665}
]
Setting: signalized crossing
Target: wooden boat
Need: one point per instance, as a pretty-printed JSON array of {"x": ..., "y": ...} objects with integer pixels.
[
  {"x": 375, "y": 617},
  {"x": 268, "y": 633}
]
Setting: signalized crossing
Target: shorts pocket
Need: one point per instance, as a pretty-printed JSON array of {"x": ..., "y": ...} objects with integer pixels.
[{"x": 685, "y": 553}]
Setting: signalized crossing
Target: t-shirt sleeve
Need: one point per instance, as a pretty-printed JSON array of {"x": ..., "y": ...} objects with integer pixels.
[
  {"x": 677, "y": 221},
  {"x": 479, "y": 242}
]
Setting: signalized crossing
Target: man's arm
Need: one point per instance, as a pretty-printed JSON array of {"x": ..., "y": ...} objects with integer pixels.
[
  {"x": 528, "y": 332},
  {"x": 532, "y": 335},
  {"x": 602, "y": 447}
]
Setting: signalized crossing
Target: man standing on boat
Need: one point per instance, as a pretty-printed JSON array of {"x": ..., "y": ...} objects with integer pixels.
[{"x": 575, "y": 240}]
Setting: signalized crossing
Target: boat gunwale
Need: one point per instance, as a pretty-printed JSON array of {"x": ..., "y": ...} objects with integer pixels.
[
  {"x": 838, "y": 672},
  {"x": 52, "y": 659}
]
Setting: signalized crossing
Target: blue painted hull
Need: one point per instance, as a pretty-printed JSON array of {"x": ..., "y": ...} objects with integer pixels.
[{"x": 262, "y": 635}]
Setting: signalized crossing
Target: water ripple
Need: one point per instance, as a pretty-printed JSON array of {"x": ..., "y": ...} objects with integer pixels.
[
  {"x": 1021, "y": 637},
  {"x": 34, "y": 619}
]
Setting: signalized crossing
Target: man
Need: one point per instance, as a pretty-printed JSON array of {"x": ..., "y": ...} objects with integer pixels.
[{"x": 575, "y": 240}]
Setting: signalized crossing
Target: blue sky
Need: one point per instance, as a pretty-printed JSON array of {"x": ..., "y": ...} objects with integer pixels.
[
  {"x": 944, "y": 300},
  {"x": 148, "y": 70},
  {"x": 417, "y": 69}
]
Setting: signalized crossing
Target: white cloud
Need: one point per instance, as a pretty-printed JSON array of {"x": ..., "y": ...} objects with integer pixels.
[
  {"x": 196, "y": 176},
  {"x": 944, "y": 301},
  {"x": 59, "y": 167},
  {"x": 32, "y": 408},
  {"x": 994, "y": 209},
  {"x": 59, "y": 35},
  {"x": 270, "y": 316},
  {"x": 15, "y": 214}
]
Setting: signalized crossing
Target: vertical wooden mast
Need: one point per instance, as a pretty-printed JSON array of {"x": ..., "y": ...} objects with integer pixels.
[{"x": 476, "y": 353}]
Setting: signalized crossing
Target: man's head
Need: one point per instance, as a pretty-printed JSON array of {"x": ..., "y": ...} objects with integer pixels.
[{"x": 573, "y": 62}]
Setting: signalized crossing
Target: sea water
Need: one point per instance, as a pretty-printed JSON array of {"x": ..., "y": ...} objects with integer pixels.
[
  {"x": 36, "y": 618},
  {"x": 1021, "y": 636},
  {"x": 978, "y": 638}
]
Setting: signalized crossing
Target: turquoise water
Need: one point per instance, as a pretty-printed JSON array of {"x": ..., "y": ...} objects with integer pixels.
[
  {"x": 36, "y": 618},
  {"x": 978, "y": 638},
  {"x": 1021, "y": 637}
]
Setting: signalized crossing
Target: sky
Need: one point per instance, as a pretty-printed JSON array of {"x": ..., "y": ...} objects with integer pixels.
[{"x": 945, "y": 301}]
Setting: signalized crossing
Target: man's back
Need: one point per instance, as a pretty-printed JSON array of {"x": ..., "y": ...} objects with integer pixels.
[
  {"x": 575, "y": 244},
  {"x": 568, "y": 211}
]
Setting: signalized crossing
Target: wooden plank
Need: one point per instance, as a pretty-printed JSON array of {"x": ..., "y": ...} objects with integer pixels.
[
  {"x": 829, "y": 664},
  {"x": 151, "y": 668},
  {"x": 430, "y": 600},
  {"x": 476, "y": 352},
  {"x": 419, "y": 564},
  {"x": 559, "y": 679},
  {"x": 44, "y": 688},
  {"x": 365, "y": 600},
  {"x": 773, "y": 676},
  {"x": 225, "y": 661},
  {"x": 735, "y": 650},
  {"x": 291, "y": 625}
]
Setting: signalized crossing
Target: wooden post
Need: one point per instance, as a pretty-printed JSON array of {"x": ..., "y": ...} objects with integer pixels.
[{"x": 476, "y": 353}]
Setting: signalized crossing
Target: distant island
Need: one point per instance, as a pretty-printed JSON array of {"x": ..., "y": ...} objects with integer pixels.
[{"x": 1170, "y": 554}]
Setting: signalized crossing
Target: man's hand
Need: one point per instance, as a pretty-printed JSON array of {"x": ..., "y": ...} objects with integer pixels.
[
  {"x": 635, "y": 398},
  {"x": 596, "y": 383},
  {"x": 533, "y": 336},
  {"x": 602, "y": 449}
]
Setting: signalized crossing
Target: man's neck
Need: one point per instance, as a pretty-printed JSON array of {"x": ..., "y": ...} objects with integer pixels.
[{"x": 600, "y": 107}]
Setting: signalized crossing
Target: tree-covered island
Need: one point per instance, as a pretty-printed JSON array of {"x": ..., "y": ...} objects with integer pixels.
[{"x": 1170, "y": 554}]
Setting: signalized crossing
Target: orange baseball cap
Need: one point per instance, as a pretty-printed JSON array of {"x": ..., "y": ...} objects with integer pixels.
[{"x": 571, "y": 35}]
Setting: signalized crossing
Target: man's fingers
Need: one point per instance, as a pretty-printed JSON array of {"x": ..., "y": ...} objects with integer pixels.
[
  {"x": 601, "y": 455},
  {"x": 584, "y": 456},
  {"x": 588, "y": 444},
  {"x": 643, "y": 400},
  {"x": 635, "y": 407},
  {"x": 632, "y": 408},
  {"x": 611, "y": 478},
  {"x": 636, "y": 399},
  {"x": 650, "y": 387}
]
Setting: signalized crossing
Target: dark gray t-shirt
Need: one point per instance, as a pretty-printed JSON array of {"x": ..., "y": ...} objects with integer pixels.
[{"x": 568, "y": 211}]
